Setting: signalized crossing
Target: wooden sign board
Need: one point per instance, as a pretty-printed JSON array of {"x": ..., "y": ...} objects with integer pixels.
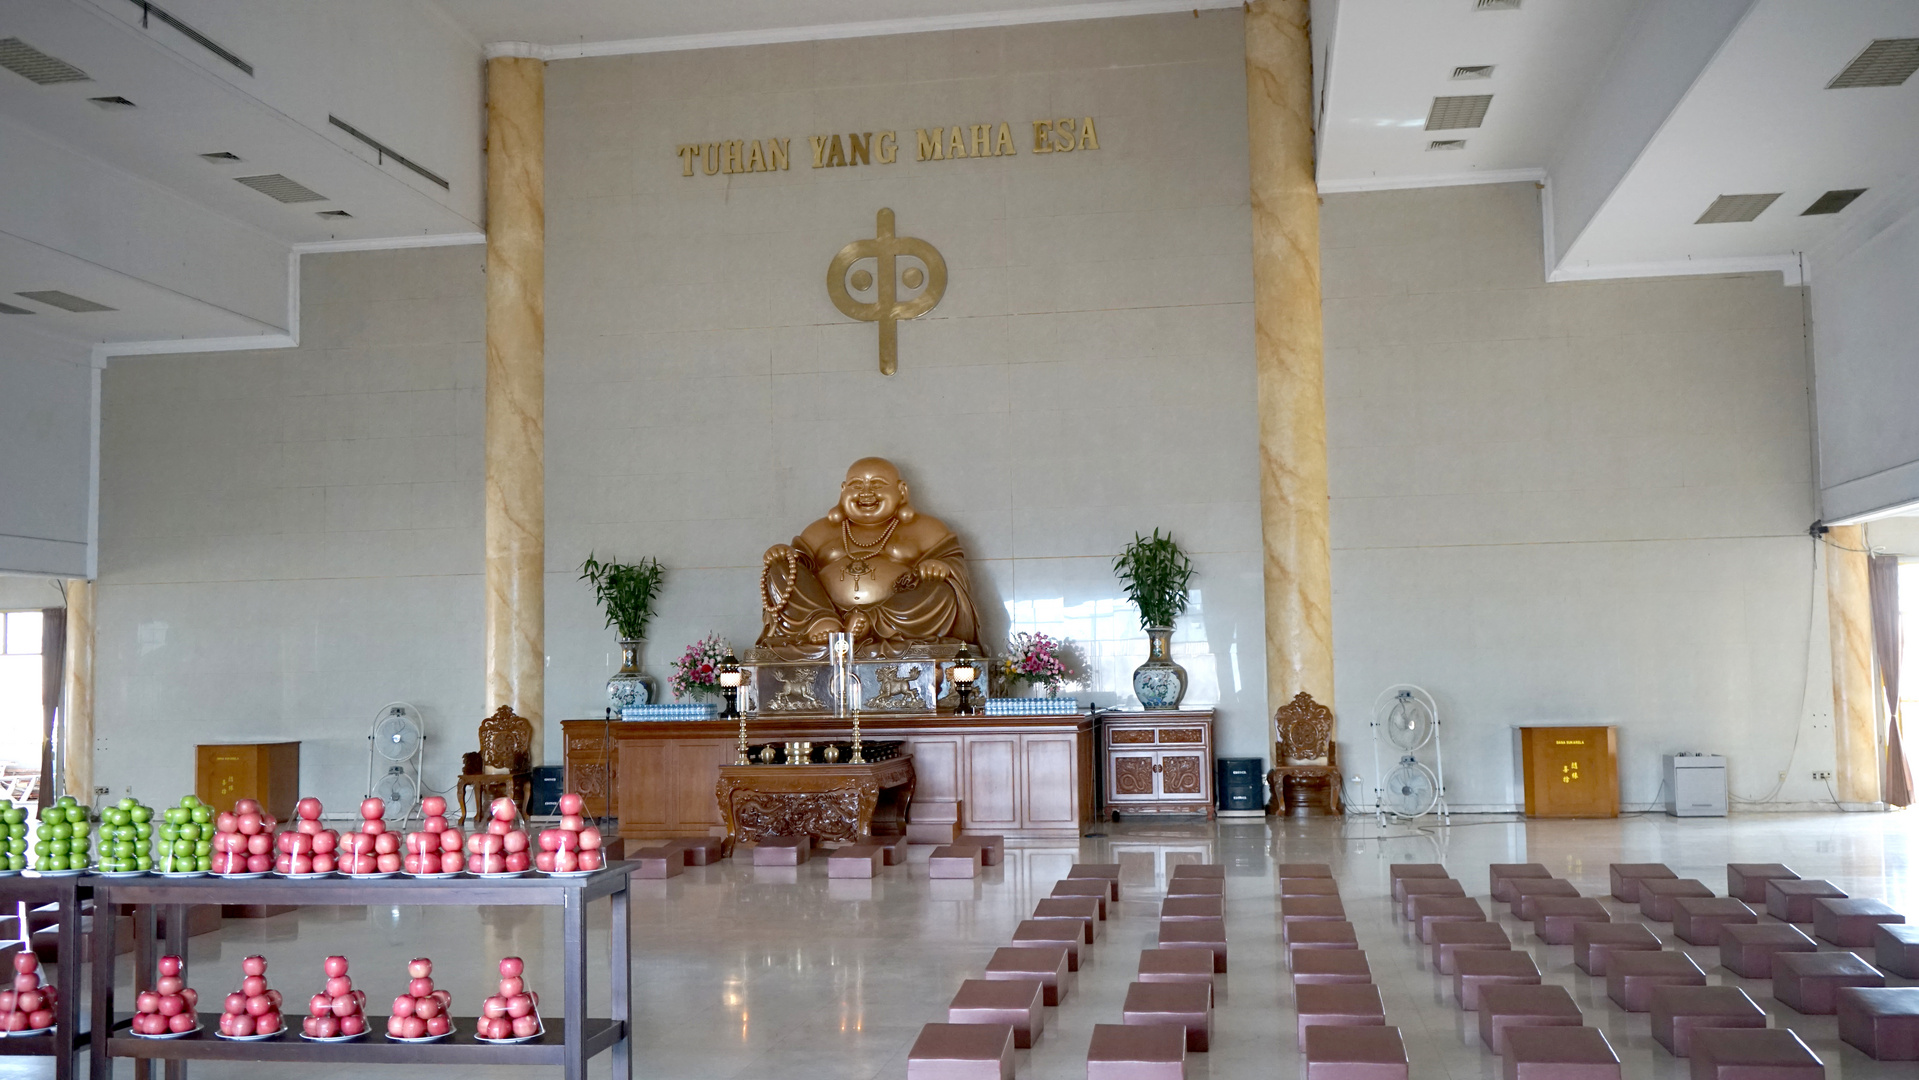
[{"x": 1571, "y": 771}]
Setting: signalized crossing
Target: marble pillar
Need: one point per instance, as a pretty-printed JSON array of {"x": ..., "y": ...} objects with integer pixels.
[
  {"x": 76, "y": 749},
  {"x": 1290, "y": 351},
  {"x": 516, "y": 391},
  {"x": 1855, "y": 727}
]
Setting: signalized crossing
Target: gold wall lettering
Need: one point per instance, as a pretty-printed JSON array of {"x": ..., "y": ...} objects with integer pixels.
[
  {"x": 925, "y": 271},
  {"x": 835, "y": 150}
]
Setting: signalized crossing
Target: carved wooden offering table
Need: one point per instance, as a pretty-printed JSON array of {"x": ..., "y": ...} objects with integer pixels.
[{"x": 826, "y": 802}]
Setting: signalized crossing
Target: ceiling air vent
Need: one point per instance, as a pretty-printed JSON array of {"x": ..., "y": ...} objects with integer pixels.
[
  {"x": 65, "y": 301},
  {"x": 1886, "y": 62},
  {"x": 332, "y": 213},
  {"x": 1832, "y": 202},
  {"x": 35, "y": 66},
  {"x": 1496, "y": 5},
  {"x": 113, "y": 103},
  {"x": 1473, "y": 71},
  {"x": 1446, "y": 144},
  {"x": 281, "y": 188},
  {"x": 9, "y": 309},
  {"x": 1730, "y": 208},
  {"x": 1464, "y": 111},
  {"x": 219, "y": 156}
]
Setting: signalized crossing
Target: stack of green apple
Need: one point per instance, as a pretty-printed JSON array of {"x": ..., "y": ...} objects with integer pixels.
[
  {"x": 126, "y": 837},
  {"x": 186, "y": 838},
  {"x": 13, "y": 826},
  {"x": 65, "y": 837}
]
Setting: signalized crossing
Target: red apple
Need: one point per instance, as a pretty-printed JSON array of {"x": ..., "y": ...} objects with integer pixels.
[
  {"x": 335, "y": 966},
  {"x": 259, "y": 1006},
  {"x": 253, "y": 986},
  {"x": 259, "y": 864},
  {"x": 572, "y": 803},
  {"x": 225, "y": 822},
  {"x": 590, "y": 839},
  {"x": 308, "y": 827},
  {"x": 451, "y": 840},
  {"x": 147, "y": 1001},
  {"x": 420, "y": 987},
  {"x": 517, "y": 862},
  {"x": 267, "y": 1023},
  {"x": 504, "y": 810},
  {"x": 497, "y": 827},
  {"x": 345, "y": 1005},
  {"x": 26, "y": 982},
  {"x": 352, "y": 1025},
  {"x": 565, "y": 862},
  {"x": 169, "y": 965},
  {"x": 338, "y": 986},
  {"x": 512, "y": 967},
  {"x": 259, "y": 844},
  {"x": 396, "y": 1027},
  {"x": 180, "y": 1023},
  {"x": 188, "y": 993},
  {"x": 275, "y": 997},
  {"x": 308, "y": 808},
  {"x": 320, "y": 1005},
  {"x": 236, "y": 1003},
  {"x": 592, "y": 860},
  {"x": 246, "y": 806},
  {"x": 372, "y": 808},
  {"x": 450, "y": 862},
  {"x": 25, "y": 963},
  {"x": 519, "y": 1005},
  {"x": 433, "y": 823},
  {"x": 433, "y": 806},
  {"x": 568, "y": 841},
  {"x": 512, "y": 986},
  {"x": 171, "y": 1004},
  {"x": 420, "y": 967},
  {"x": 412, "y": 864},
  {"x": 493, "y": 1006},
  {"x": 324, "y": 864},
  {"x": 543, "y": 862},
  {"x": 403, "y": 1005},
  {"x": 388, "y": 863},
  {"x": 299, "y": 864},
  {"x": 40, "y": 1020},
  {"x": 385, "y": 844},
  {"x": 30, "y": 1001},
  {"x": 439, "y": 1025},
  {"x": 426, "y": 1008},
  {"x": 325, "y": 842},
  {"x": 373, "y": 827},
  {"x": 525, "y": 1027},
  {"x": 249, "y": 823},
  {"x": 412, "y": 1027},
  {"x": 514, "y": 841},
  {"x": 572, "y": 822},
  {"x": 169, "y": 984},
  {"x": 237, "y": 1025}
]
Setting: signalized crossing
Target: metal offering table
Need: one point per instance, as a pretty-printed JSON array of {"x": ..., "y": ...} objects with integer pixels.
[
  {"x": 568, "y": 1043},
  {"x": 64, "y": 1043}
]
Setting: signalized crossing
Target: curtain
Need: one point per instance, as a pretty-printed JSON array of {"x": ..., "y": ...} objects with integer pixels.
[
  {"x": 1882, "y": 582},
  {"x": 53, "y": 679}
]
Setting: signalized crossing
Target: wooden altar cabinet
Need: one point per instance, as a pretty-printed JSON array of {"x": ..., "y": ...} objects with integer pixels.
[
  {"x": 1029, "y": 776},
  {"x": 825, "y": 801}
]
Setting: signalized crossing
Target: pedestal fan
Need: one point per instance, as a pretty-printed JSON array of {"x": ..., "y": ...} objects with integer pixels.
[
  {"x": 1406, "y": 719},
  {"x": 397, "y": 743}
]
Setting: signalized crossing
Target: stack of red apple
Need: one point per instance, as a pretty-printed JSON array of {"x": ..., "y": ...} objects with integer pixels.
[
  {"x": 514, "y": 1012},
  {"x": 29, "y": 1005},
  {"x": 340, "y": 1012},
  {"x": 575, "y": 845},
  {"x": 308, "y": 847},
  {"x": 243, "y": 840},
  {"x": 501, "y": 849},
  {"x": 168, "y": 1008},
  {"x": 421, "y": 1012},
  {"x": 372, "y": 850},
  {"x": 435, "y": 849},
  {"x": 253, "y": 1009}
]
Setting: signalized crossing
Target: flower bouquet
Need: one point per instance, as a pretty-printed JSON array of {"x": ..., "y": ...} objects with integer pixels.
[
  {"x": 697, "y": 671},
  {"x": 1041, "y": 660}
]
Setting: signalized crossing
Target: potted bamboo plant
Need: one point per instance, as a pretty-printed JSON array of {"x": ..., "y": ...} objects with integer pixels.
[
  {"x": 1155, "y": 573},
  {"x": 626, "y": 592}
]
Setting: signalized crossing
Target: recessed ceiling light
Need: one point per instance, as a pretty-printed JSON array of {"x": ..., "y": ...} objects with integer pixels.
[
  {"x": 112, "y": 103},
  {"x": 30, "y": 63},
  {"x": 9, "y": 309},
  {"x": 65, "y": 301},
  {"x": 1473, "y": 71},
  {"x": 1832, "y": 201},
  {"x": 1446, "y": 144},
  {"x": 1732, "y": 208},
  {"x": 221, "y": 156},
  {"x": 333, "y": 213},
  {"x": 1885, "y": 62},
  {"x": 1464, "y": 111},
  {"x": 281, "y": 188}
]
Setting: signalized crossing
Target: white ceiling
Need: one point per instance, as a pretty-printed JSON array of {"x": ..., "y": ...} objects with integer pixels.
[{"x": 1569, "y": 88}]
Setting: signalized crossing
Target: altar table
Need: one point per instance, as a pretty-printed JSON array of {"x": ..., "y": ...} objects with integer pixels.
[
  {"x": 1015, "y": 776},
  {"x": 826, "y": 802}
]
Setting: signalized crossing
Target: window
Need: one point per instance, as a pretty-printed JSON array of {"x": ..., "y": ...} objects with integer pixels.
[{"x": 22, "y": 718}]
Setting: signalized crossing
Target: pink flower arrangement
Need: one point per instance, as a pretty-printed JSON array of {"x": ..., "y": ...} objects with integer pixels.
[
  {"x": 1041, "y": 660},
  {"x": 697, "y": 671}
]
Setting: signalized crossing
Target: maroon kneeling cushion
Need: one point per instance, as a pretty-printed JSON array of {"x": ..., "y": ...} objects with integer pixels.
[
  {"x": 1355, "y": 1053},
  {"x": 1559, "y": 1053},
  {"x": 1806, "y": 980},
  {"x": 1883, "y": 1021},
  {"x": 1678, "y": 1012},
  {"x": 1753, "y": 1054},
  {"x": 962, "y": 1052}
]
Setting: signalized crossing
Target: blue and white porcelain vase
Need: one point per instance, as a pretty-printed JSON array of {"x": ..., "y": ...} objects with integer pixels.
[
  {"x": 630, "y": 685},
  {"x": 1159, "y": 683}
]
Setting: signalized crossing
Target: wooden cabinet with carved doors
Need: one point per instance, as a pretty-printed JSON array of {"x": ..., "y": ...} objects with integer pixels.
[{"x": 1157, "y": 762}]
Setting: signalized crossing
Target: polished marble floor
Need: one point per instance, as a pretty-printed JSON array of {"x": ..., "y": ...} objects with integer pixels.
[{"x": 786, "y": 975}]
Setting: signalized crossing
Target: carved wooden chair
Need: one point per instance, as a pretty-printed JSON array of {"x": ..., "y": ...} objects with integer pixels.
[
  {"x": 503, "y": 765},
  {"x": 1300, "y": 778}
]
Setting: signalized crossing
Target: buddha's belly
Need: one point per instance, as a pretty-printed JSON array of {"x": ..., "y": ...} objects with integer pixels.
[{"x": 874, "y": 584}]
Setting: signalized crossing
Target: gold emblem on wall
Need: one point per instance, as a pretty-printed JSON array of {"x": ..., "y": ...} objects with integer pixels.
[{"x": 906, "y": 280}]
